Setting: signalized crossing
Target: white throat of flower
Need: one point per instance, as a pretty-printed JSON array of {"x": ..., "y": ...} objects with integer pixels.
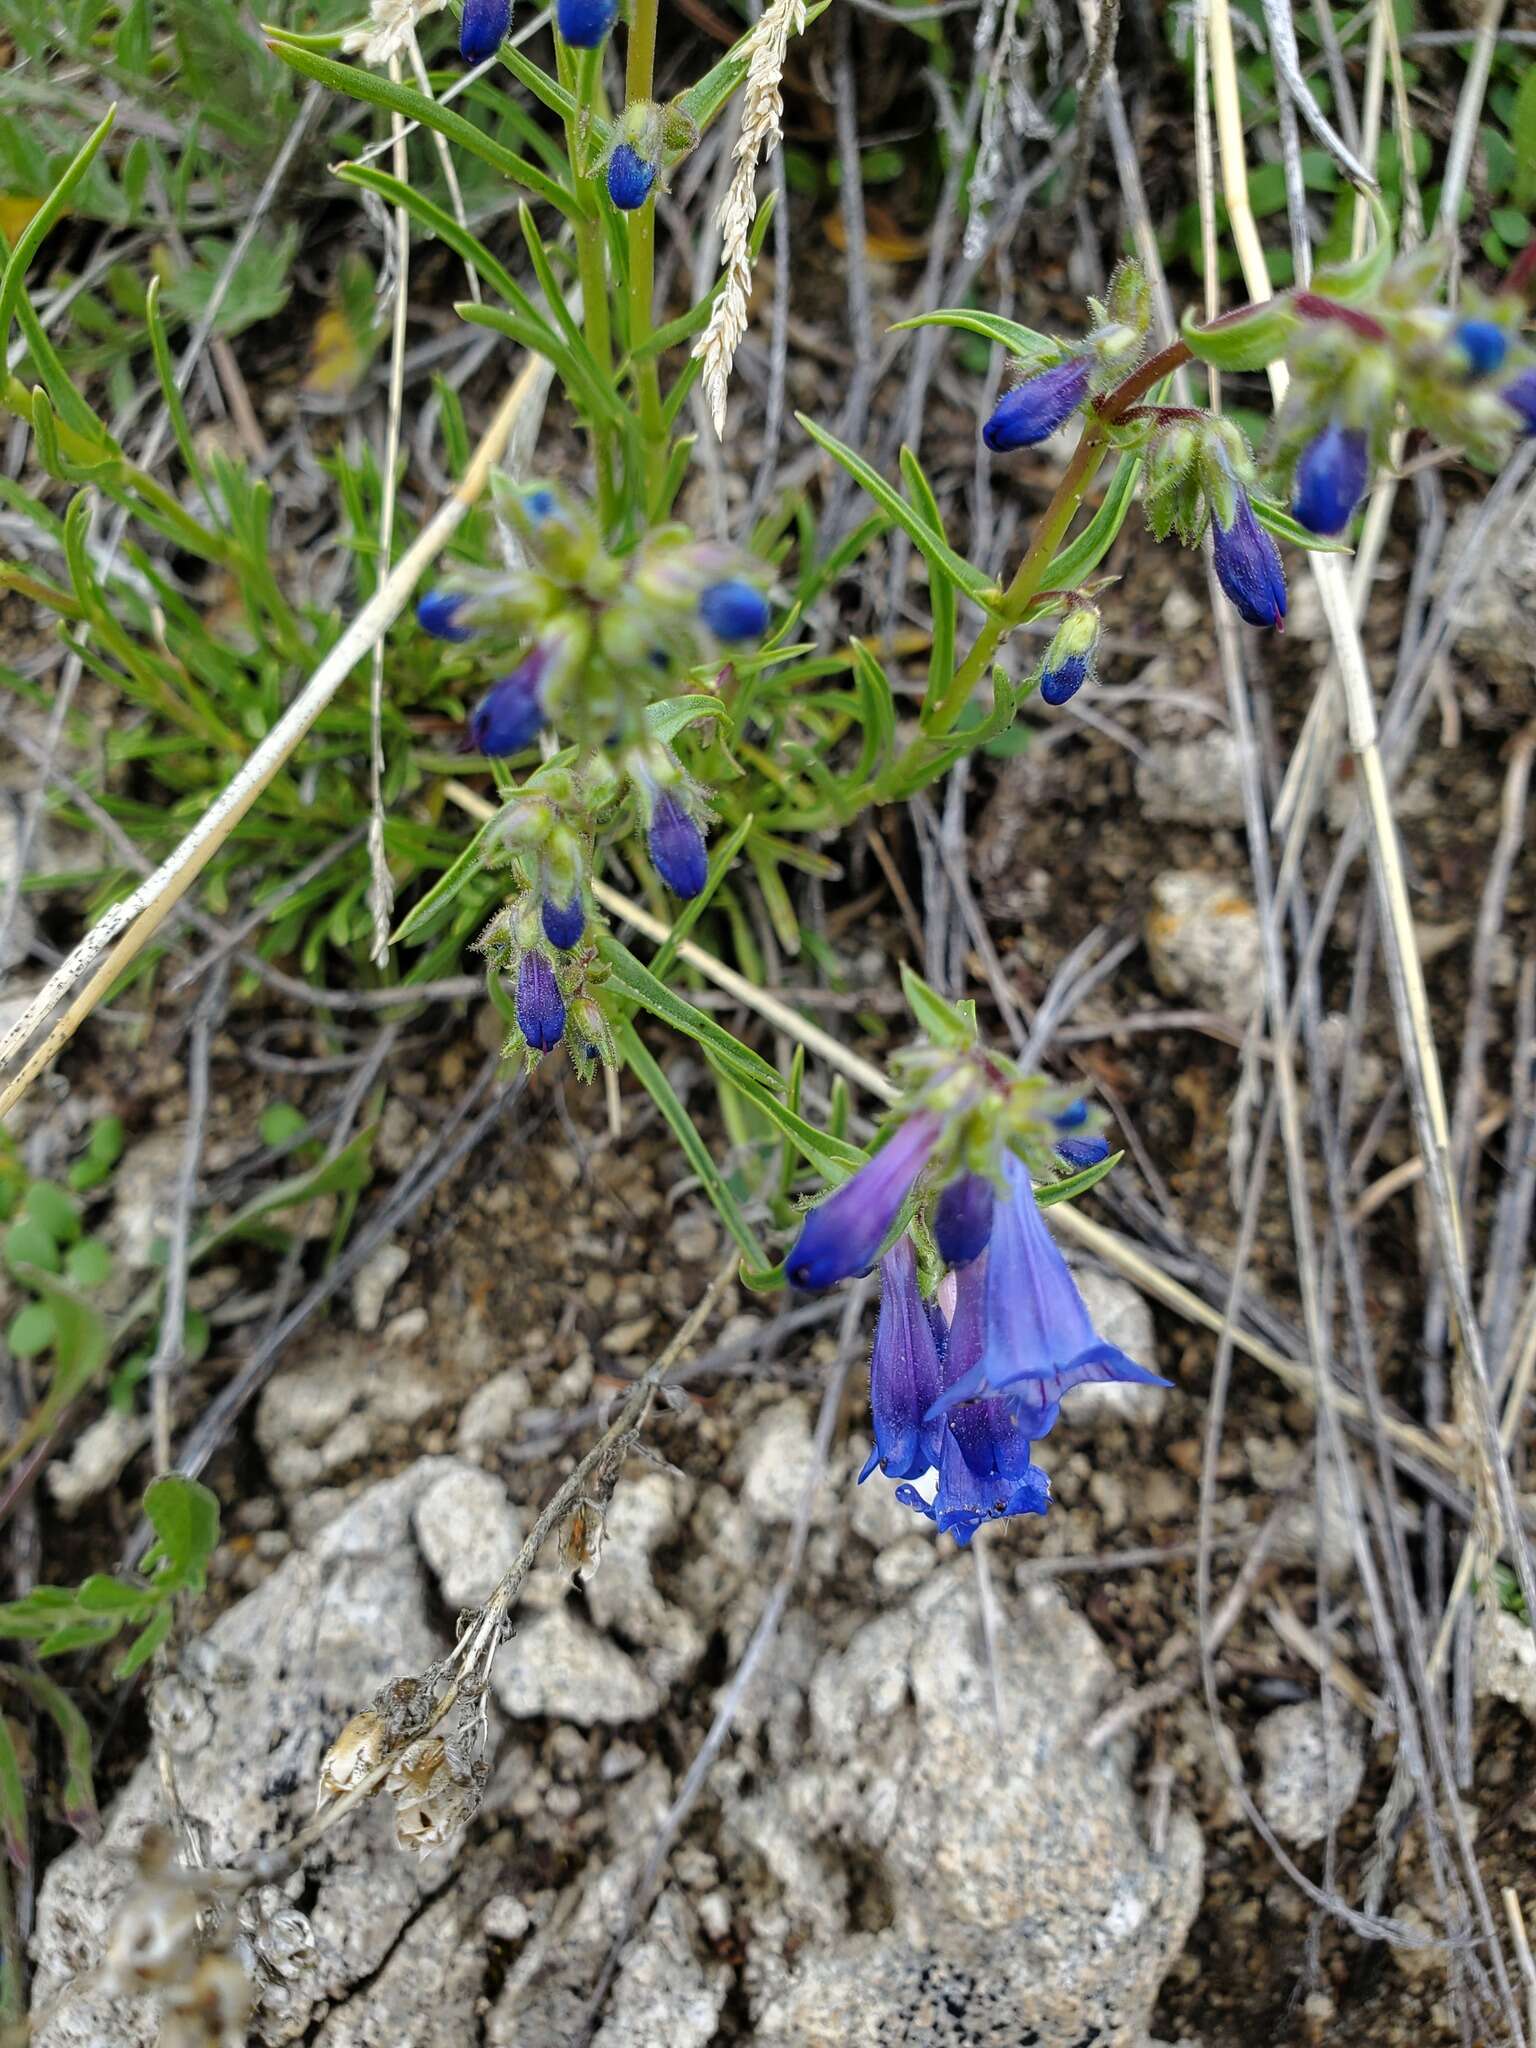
[{"x": 762, "y": 112}]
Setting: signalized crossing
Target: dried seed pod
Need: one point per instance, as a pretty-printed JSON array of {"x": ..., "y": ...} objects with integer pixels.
[{"x": 354, "y": 1753}]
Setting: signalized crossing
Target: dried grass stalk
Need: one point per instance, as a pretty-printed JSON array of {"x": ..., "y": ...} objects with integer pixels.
[{"x": 762, "y": 116}]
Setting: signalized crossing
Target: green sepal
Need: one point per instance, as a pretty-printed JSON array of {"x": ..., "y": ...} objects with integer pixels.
[{"x": 1364, "y": 277}]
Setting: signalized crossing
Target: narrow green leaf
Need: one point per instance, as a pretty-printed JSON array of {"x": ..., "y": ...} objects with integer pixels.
[
  {"x": 655, "y": 1083},
  {"x": 1023, "y": 342},
  {"x": 450, "y": 884},
  {"x": 1079, "y": 558},
  {"x": 934, "y": 548},
  {"x": 13, "y": 1800},
  {"x": 146, "y": 1642},
  {"x": 79, "y": 1787},
  {"x": 1284, "y": 527},
  {"x": 833, "y": 1159},
  {"x": 41, "y": 225},
  {"x": 633, "y": 979},
  {"x": 1076, "y": 1184},
  {"x": 936, "y": 1018},
  {"x": 941, "y": 592}
]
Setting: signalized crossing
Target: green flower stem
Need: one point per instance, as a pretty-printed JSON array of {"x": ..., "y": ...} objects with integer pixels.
[
  {"x": 1014, "y": 607},
  {"x": 591, "y": 256},
  {"x": 640, "y": 226}
]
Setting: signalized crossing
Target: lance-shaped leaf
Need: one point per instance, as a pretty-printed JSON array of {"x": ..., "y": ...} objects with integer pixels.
[
  {"x": 937, "y": 1018},
  {"x": 79, "y": 1790},
  {"x": 1284, "y": 527},
  {"x": 1024, "y": 342}
]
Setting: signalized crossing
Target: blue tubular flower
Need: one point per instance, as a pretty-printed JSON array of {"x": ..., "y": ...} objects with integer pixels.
[
  {"x": 1520, "y": 397},
  {"x": 1037, "y": 1339},
  {"x": 843, "y": 1235},
  {"x": 734, "y": 610},
  {"x": 1080, "y": 1152},
  {"x": 1065, "y": 680},
  {"x": 1073, "y": 1117},
  {"x": 438, "y": 614},
  {"x": 1248, "y": 565},
  {"x": 984, "y": 1460},
  {"x": 903, "y": 1372},
  {"x": 563, "y": 923},
  {"x": 540, "y": 1005},
  {"x": 1033, "y": 410},
  {"x": 1331, "y": 477},
  {"x": 630, "y": 178},
  {"x": 584, "y": 23},
  {"x": 483, "y": 28},
  {"x": 962, "y": 1219},
  {"x": 1483, "y": 343},
  {"x": 677, "y": 848},
  {"x": 510, "y": 714}
]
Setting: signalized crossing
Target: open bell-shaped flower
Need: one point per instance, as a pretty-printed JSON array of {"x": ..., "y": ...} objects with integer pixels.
[
  {"x": 984, "y": 1468},
  {"x": 843, "y": 1235},
  {"x": 1038, "y": 1340},
  {"x": 903, "y": 1372}
]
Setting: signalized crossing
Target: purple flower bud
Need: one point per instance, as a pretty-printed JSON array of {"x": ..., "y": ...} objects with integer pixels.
[
  {"x": 438, "y": 614},
  {"x": 1033, "y": 410},
  {"x": 903, "y": 1372},
  {"x": 483, "y": 28},
  {"x": 1331, "y": 477},
  {"x": 630, "y": 178},
  {"x": 584, "y": 23},
  {"x": 539, "y": 502},
  {"x": 1080, "y": 1152},
  {"x": 510, "y": 714},
  {"x": 563, "y": 923},
  {"x": 677, "y": 848},
  {"x": 1248, "y": 566},
  {"x": 540, "y": 1005},
  {"x": 843, "y": 1235},
  {"x": 1484, "y": 344},
  {"x": 1069, "y": 658},
  {"x": 1073, "y": 1117},
  {"x": 962, "y": 1219},
  {"x": 1520, "y": 397},
  {"x": 734, "y": 610},
  {"x": 1065, "y": 680}
]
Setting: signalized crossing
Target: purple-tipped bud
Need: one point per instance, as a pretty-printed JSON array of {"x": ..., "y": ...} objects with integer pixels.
[
  {"x": 630, "y": 178},
  {"x": 584, "y": 23},
  {"x": 438, "y": 614},
  {"x": 563, "y": 923},
  {"x": 1248, "y": 566},
  {"x": 843, "y": 1235},
  {"x": 1073, "y": 1117},
  {"x": 1033, "y": 410},
  {"x": 1484, "y": 344},
  {"x": 677, "y": 848},
  {"x": 538, "y": 503},
  {"x": 540, "y": 1005},
  {"x": 734, "y": 610},
  {"x": 483, "y": 28},
  {"x": 962, "y": 1219},
  {"x": 1520, "y": 397},
  {"x": 1080, "y": 1152},
  {"x": 510, "y": 714},
  {"x": 1331, "y": 477},
  {"x": 1069, "y": 658}
]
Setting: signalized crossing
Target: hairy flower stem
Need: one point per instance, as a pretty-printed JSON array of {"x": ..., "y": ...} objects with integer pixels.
[
  {"x": 1014, "y": 606},
  {"x": 640, "y": 226}
]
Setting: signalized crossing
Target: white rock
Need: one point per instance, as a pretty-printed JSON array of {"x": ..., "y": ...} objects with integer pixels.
[
  {"x": 1312, "y": 1774},
  {"x": 1505, "y": 1654},
  {"x": 144, "y": 1185},
  {"x": 372, "y": 1282},
  {"x": 319, "y": 1637},
  {"x": 663, "y": 1993},
  {"x": 1203, "y": 942},
  {"x": 490, "y": 1415},
  {"x": 96, "y": 1459},
  {"x": 1191, "y": 782},
  {"x": 559, "y": 1668},
  {"x": 321, "y": 1418},
  {"x": 506, "y": 1918},
  {"x": 622, "y": 1594},
  {"x": 469, "y": 1534},
  {"x": 775, "y": 1457},
  {"x": 1120, "y": 1314}
]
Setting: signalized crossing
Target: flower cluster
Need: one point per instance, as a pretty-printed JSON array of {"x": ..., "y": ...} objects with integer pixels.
[
  {"x": 963, "y": 1383},
  {"x": 596, "y": 640},
  {"x": 1371, "y": 352},
  {"x": 434, "y": 1781}
]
